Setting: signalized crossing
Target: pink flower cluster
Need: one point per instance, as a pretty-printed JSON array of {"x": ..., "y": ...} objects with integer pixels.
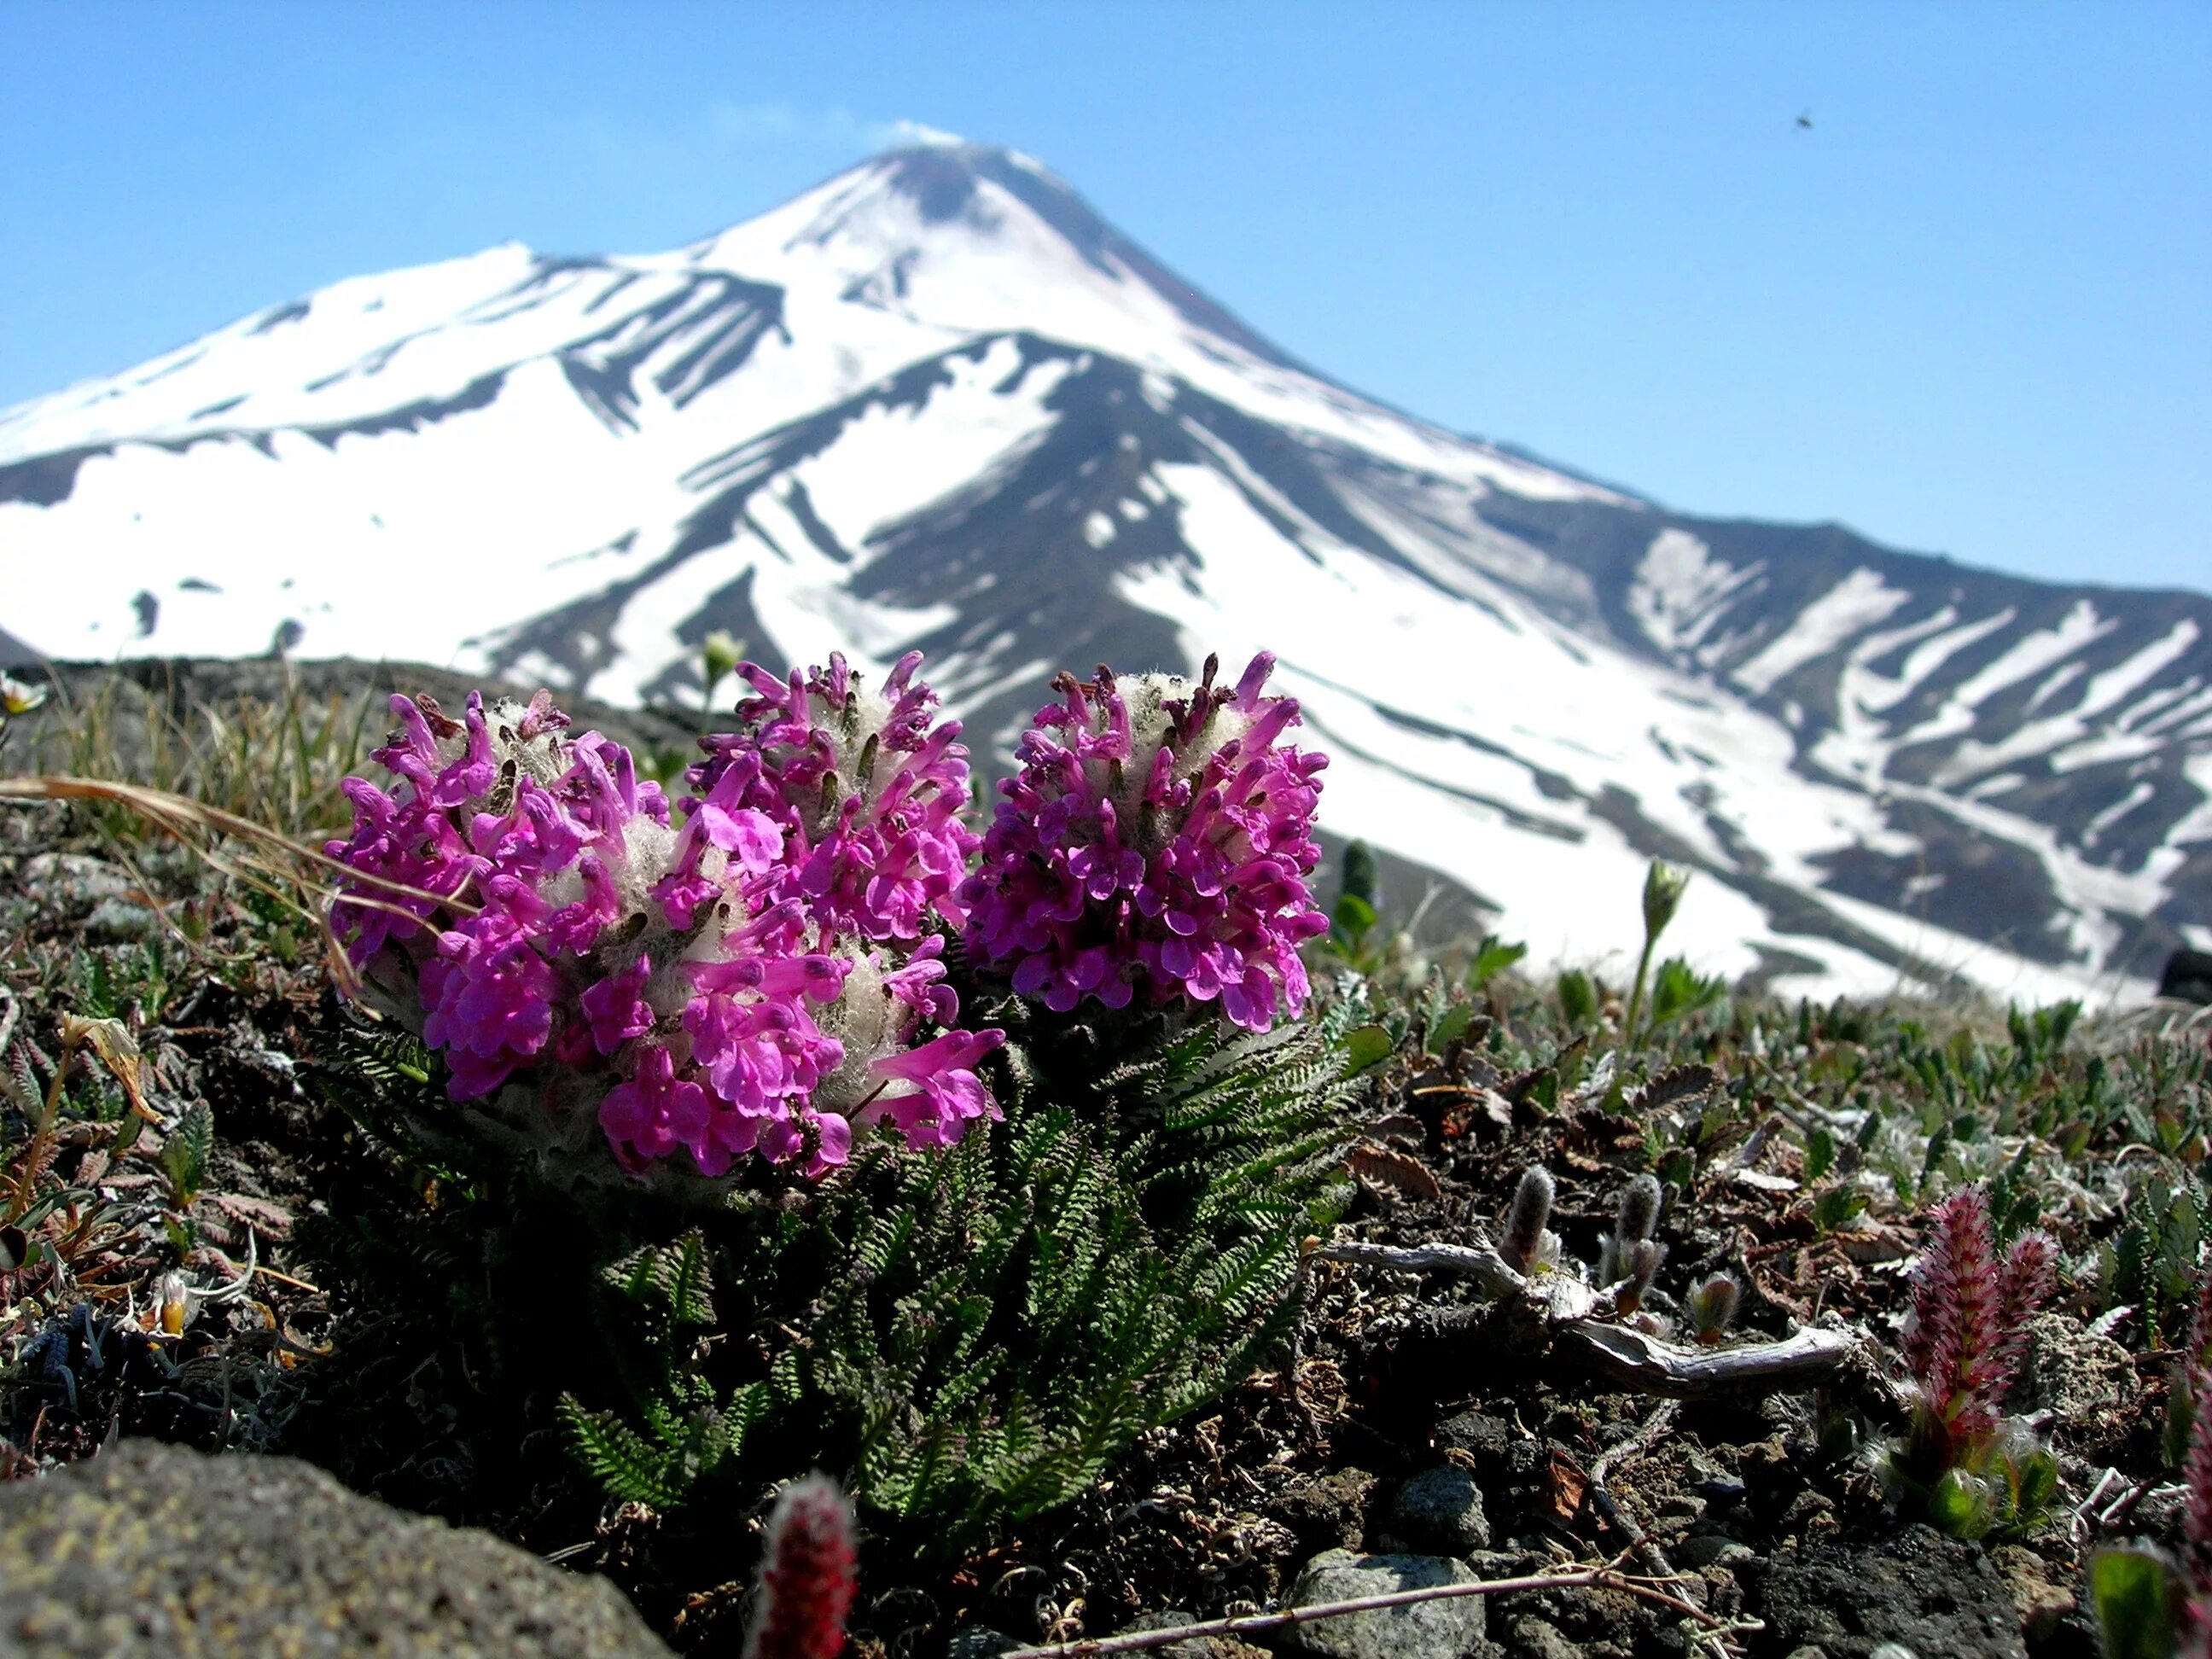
[
  {"x": 758, "y": 971},
  {"x": 870, "y": 796},
  {"x": 719, "y": 988},
  {"x": 1156, "y": 842},
  {"x": 1968, "y": 1330}
]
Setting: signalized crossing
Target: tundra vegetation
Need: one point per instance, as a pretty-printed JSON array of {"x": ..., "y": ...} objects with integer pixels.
[{"x": 604, "y": 1135}]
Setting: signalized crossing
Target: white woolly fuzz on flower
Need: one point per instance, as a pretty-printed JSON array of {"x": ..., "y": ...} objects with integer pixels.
[
  {"x": 648, "y": 854},
  {"x": 1148, "y": 697},
  {"x": 854, "y": 729},
  {"x": 543, "y": 756},
  {"x": 869, "y": 1021}
]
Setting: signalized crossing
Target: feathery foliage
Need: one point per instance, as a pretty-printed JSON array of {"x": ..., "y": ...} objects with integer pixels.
[
  {"x": 970, "y": 1336},
  {"x": 981, "y": 1332}
]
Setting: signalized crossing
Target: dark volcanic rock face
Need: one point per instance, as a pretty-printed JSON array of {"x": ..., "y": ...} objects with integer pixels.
[{"x": 1930, "y": 1594}]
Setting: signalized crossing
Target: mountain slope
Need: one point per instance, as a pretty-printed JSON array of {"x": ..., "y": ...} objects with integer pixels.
[{"x": 938, "y": 402}]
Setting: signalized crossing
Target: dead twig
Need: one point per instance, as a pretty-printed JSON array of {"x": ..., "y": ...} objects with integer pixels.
[
  {"x": 1620, "y": 1354},
  {"x": 1630, "y": 1359},
  {"x": 1609, "y": 1509},
  {"x": 1478, "y": 1262},
  {"x": 1606, "y": 1577}
]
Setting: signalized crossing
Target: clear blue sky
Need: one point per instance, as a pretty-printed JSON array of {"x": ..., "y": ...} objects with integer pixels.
[{"x": 1969, "y": 310}]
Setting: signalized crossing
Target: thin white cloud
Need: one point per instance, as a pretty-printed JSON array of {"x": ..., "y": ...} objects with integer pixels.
[
  {"x": 917, "y": 132},
  {"x": 778, "y": 122}
]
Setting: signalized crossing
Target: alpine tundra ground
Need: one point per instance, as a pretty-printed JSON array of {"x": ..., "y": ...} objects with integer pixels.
[{"x": 209, "y": 1238}]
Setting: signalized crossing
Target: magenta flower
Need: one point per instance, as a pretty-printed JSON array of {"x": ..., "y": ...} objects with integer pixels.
[
  {"x": 488, "y": 1005},
  {"x": 931, "y": 1092},
  {"x": 866, "y": 795},
  {"x": 437, "y": 832},
  {"x": 1156, "y": 842},
  {"x": 654, "y": 1113},
  {"x": 617, "y": 1007},
  {"x": 691, "y": 990}
]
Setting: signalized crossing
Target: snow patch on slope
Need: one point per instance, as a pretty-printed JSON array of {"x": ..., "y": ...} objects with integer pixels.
[
  {"x": 1852, "y": 605},
  {"x": 1680, "y": 590},
  {"x": 1516, "y": 801}
]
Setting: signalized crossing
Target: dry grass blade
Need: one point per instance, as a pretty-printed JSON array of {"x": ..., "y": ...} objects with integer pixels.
[
  {"x": 303, "y": 876},
  {"x": 117, "y": 1050},
  {"x": 279, "y": 760}
]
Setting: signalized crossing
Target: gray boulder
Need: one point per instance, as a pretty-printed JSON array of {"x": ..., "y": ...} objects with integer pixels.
[
  {"x": 1449, "y": 1629},
  {"x": 149, "y": 1552}
]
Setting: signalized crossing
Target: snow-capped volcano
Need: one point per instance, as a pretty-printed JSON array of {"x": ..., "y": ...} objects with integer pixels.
[{"x": 938, "y": 402}]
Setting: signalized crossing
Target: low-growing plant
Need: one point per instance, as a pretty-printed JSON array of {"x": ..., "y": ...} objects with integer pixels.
[
  {"x": 988, "y": 1328},
  {"x": 17, "y": 697},
  {"x": 1678, "y": 990},
  {"x": 2183, "y": 1398},
  {"x": 1663, "y": 886},
  {"x": 1358, "y": 911},
  {"x": 1577, "y": 997},
  {"x": 1526, "y": 1241},
  {"x": 2152, "y": 1603},
  {"x": 703, "y": 1066},
  {"x": 1636, "y": 1217},
  {"x": 1973, "y": 1471},
  {"x": 2150, "y": 1264},
  {"x": 1491, "y": 957},
  {"x": 1710, "y": 1307}
]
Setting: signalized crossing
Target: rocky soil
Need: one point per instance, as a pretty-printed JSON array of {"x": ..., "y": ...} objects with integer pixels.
[{"x": 1415, "y": 1437}]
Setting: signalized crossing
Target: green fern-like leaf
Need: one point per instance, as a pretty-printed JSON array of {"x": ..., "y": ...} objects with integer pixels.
[
  {"x": 632, "y": 1471},
  {"x": 672, "y": 1283},
  {"x": 184, "y": 1154},
  {"x": 983, "y": 1331},
  {"x": 684, "y": 1282}
]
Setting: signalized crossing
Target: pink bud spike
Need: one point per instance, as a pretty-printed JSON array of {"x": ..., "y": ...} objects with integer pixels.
[{"x": 809, "y": 1571}]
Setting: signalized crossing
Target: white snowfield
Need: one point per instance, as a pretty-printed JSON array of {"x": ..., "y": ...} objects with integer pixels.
[{"x": 442, "y": 463}]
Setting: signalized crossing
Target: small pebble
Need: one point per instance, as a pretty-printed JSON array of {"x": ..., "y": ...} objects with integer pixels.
[{"x": 1709, "y": 1549}]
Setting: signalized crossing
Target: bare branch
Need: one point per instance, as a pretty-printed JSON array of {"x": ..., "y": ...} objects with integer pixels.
[
  {"x": 1483, "y": 1265},
  {"x": 1632, "y": 1359},
  {"x": 1604, "y": 1577},
  {"x": 1619, "y": 1353}
]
